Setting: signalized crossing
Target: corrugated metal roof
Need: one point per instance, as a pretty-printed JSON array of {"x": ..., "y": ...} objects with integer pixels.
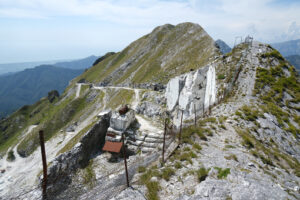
[{"x": 112, "y": 146}]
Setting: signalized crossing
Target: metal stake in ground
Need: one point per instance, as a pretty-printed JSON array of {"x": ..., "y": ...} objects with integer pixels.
[
  {"x": 163, "y": 149},
  {"x": 195, "y": 114},
  {"x": 180, "y": 127},
  {"x": 125, "y": 161},
  {"x": 203, "y": 111},
  {"x": 44, "y": 185}
]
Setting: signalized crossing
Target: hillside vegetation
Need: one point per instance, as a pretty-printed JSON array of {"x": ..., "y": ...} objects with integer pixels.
[{"x": 164, "y": 53}]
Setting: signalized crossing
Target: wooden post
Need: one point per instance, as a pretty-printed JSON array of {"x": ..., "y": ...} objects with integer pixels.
[
  {"x": 44, "y": 185},
  {"x": 125, "y": 161},
  {"x": 163, "y": 149},
  {"x": 180, "y": 127}
]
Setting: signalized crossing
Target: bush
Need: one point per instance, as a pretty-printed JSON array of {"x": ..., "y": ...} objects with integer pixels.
[
  {"x": 229, "y": 146},
  {"x": 189, "y": 131},
  {"x": 186, "y": 149},
  {"x": 266, "y": 160},
  {"x": 197, "y": 146},
  {"x": 178, "y": 165},
  {"x": 254, "y": 153},
  {"x": 202, "y": 174},
  {"x": 11, "y": 156},
  {"x": 221, "y": 76},
  {"x": 247, "y": 141},
  {"x": 167, "y": 173},
  {"x": 186, "y": 157},
  {"x": 201, "y": 134},
  {"x": 231, "y": 157},
  {"x": 192, "y": 154},
  {"x": 152, "y": 189},
  {"x": 238, "y": 113},
  {"x": 141, "y": 169},
  {"x": 147, "y": 175},
  {"x": 222, "y": 173},
  {"x": 223, "y": 127}
]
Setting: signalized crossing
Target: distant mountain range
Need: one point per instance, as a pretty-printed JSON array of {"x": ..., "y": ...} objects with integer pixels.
[
  {"x": 294, "y": 60},
  {"x": 28, "y": 86},
  {"x": 84, "y": 63},
  {"x": 288, "y": 48},
  {"x": 224, "y": 48},
  {"x": 78, "y": 64},
  {"x": 10, "y": 68}
]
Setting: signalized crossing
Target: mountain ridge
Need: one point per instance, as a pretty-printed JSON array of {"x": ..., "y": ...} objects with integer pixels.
[
  {"x": 294, "y": 60},
  {"x": 239, "y": 138}
]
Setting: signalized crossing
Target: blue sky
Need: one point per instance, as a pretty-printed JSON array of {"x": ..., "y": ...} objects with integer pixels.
[{"x": 36, "y": 30}]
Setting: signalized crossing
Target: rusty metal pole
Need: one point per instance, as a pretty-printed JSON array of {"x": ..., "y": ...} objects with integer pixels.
[
  {"x": 203, "y": 109},
  {"x": 125, "y": 161},
  {"x": 163, "y": 149},
  {"x": 180, "y": 127},
  {"x": 195, "y": 115},
  {"x": 44, "y": 185}
]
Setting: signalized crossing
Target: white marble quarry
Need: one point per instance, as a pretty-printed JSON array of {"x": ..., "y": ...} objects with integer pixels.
[
  {"x": 210, "y": 91},
  {"x": 172, "y": 92},
  {"x": 193, "y": 90}
]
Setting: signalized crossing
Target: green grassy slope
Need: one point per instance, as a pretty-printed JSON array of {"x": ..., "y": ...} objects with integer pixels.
[{"x": 164, "y": 53}]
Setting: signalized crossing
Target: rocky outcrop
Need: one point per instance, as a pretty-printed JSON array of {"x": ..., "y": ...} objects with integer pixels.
[
  {"x": 62, "y": 168},
  {"x": 246, "y": 189},
  {"x": 149, "y": 109}
]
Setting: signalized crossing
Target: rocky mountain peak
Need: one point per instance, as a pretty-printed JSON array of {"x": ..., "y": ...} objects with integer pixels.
[{"x": 164, "y": 53}]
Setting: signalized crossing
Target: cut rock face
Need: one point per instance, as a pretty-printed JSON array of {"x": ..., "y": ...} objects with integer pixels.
[
  {"x": 194, "y": 90},
  {"x": 210, "y": 91},
  {"x": 121, "y": 122},
  {"x": 173, "y": 91}
]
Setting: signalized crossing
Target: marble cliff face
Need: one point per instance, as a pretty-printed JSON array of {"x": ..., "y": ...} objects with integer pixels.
[{"x": 193, "y": 90}]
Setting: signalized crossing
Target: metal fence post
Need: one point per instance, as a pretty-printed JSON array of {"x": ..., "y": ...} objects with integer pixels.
[
  {"x": 195, "y": 115},
  {"x": 125, "y": 161},
  {"x": 180, "y": 127},
  {"x": 42, "y": 143},
  {"x": 163, "y": 149}
]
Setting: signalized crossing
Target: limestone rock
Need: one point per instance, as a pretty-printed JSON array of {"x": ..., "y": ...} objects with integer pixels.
[
  {"x": 129, "y": 194},
  {"x": 149, "y": 109},
  {"x": 222, "y": 189}
]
